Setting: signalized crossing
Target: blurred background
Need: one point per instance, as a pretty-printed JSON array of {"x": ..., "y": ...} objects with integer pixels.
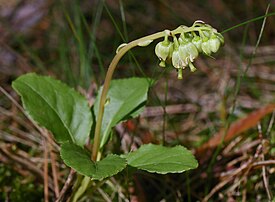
[{"x": 74, "y": 41}]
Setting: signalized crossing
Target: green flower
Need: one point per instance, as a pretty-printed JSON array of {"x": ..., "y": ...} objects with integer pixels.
[
  {"x": 188, "y": 51},
  {"x": 178, "y": 61},
  {"x": 214, "y": 43},
  {"x": 183, "y": 50},
  {"x": 197, "y": 41},
  {"x": 206, "y": 47},
  {"x": 164, "y": 50}
]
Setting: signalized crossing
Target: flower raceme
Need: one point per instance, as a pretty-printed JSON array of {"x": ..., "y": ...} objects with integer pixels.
[{"x": 184, "y": 49}]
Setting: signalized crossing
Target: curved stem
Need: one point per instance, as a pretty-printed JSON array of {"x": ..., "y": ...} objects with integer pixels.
[{"x": 110, "y": 72}]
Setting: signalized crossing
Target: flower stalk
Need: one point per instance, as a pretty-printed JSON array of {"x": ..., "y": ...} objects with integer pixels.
[{"x": 182, "y": 55}]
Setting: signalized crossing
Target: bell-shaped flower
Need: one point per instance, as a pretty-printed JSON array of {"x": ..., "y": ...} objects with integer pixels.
[
  {"x": 178, "y": 61},
  {"x": 164, "y": 50},
  {"x": 220, "y": 37},
  {"x": 188, "y": 50},
  {"x": 214, "y": 43},
  {"x": 197, "y": 41},
  {"x": 205, "y": 46}
]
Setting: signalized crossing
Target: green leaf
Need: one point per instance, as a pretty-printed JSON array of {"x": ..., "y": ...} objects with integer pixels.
[
  {"x": 80, "y": 160},
  {"x": 55, "y": 106},
  {"x": 162, "y": 160},
  {"x": 126, "y": 98}
]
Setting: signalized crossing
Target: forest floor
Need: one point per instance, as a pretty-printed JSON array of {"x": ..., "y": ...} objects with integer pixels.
[{"x": 223, "y": 112}]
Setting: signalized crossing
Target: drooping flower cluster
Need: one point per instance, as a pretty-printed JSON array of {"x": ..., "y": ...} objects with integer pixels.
[{"x": 185, "y": 48}]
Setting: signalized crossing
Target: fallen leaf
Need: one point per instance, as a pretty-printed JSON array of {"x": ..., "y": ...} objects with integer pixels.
[{"x": 236, "y": 128}]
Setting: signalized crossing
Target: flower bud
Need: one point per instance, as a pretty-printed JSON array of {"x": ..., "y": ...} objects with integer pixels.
[
  {"x": 220, "y": 37},
  {"x": 197, "y": 41},
  {"x": 205, "y": 46},
  {"x": 193, "y": 51},
  {"x": 188, "y": 51},
  {"x": 214, "y": 43},
  {"x": 177, "y": 60},
  {"x": 207, "y": 33},
  {"x": 164, "y": 50}
]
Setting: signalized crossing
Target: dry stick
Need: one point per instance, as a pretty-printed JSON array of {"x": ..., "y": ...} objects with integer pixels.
[
  {"x": 67, "y": 186},
  {"x": 261, "y": 151},
  {"x": 46, "y": 182},
  {"x": 249, "y": 64},
  {"x": 244, "y": 192},
  {"x": 47, "y": 136},
  {"x": 266, "y": 185},
  {"x": 54, "y": 168},
  {"x": 254, "y": 52},
  {"x": 264, "y": 163},
  {"x": 23, "y": 111},
  {"x": 270, "y": 124},
  {"x": 236, "y": 172},
  {"x": 244, "y": 179},
  {"x": 223, "y": 183},
  {"x": 24, "y": 162},
  {"x": 216, "y": 188},
  {"x": 54, "y": 171}
]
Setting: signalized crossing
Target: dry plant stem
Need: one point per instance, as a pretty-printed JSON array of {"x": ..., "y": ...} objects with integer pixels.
[
  {"x": 112, "y": 67},
  {"x": 265, "y": 180},
  {"x": 23, "y": 111},
  {"x": 45, "y": 172},
  {"x": 54, "y": 170},
  {"x": 25, "y": 163},
  {"x": 66, "y": 190}
]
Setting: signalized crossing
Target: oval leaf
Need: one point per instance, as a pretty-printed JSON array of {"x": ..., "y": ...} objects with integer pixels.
[
  {"x": 126, "y": 98},
  {"x": 55, "y": 106},
  {"x": 162, "y": 160},
  {"x": 80, "y": 160}
]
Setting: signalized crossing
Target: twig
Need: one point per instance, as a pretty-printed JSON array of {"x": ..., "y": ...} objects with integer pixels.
[
  {"x": 217, "y": 188},
  {"x": 264, "y": 163},
  {"x": 55, "y": 172},
  {"x": 104, "y": 195},
  {"x": 266, "y": 185},
  {"x": 53, "y": 162},
  {"x": 46, "y": 189},
  {"x": 23, "y": 111},
  {"x": 270, "y": 124},
  {"x": 67, "y": 187},
  {"x": 261, "y": 154},
  {"x": 26, "y": 163}
]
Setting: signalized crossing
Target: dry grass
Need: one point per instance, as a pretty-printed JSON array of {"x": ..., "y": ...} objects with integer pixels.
[{"x": 194, "y": 109}]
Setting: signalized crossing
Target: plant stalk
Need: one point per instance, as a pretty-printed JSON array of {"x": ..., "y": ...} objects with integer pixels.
[{"x": 111, "y": 70}]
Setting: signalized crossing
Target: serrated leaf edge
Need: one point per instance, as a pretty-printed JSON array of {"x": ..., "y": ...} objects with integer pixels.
[
  {"x": 117, "y": 171},
  {"x": 160, "y": 172},
  {"x": 95, "y": 164}
]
